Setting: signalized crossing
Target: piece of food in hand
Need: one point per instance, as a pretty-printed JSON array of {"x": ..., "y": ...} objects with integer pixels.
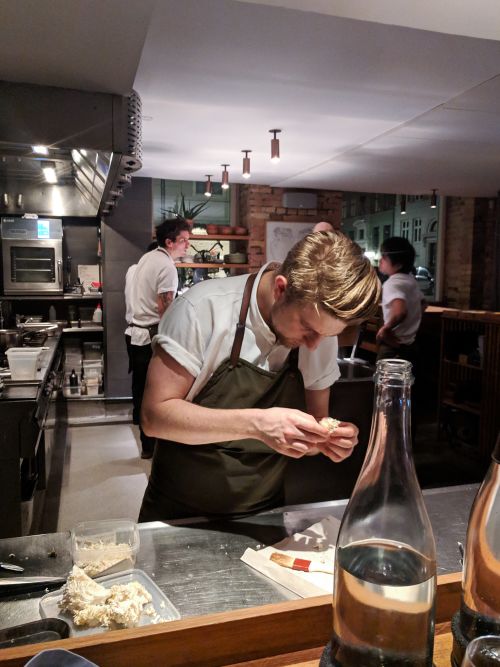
[
  {"x": 300, "y": 564},
  {"x": 329, "y": 423}
]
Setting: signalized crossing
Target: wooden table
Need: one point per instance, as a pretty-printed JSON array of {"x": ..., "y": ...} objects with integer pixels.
[{"x": 286, "y": 634}]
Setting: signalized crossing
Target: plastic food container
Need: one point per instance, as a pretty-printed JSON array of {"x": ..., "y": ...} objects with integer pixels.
[
  {"x": 105, "y": 546},
  {"x": 23, "y": 362}
]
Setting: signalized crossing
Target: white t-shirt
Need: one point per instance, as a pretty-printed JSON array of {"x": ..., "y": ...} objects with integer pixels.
[
  {"x": 199, "y": 327},
  {"x": 155, "y": 274},
  {"x": 403, "y": 286}
]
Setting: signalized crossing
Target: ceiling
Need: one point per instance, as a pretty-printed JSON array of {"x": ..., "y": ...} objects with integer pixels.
[{"x": 371, "y": 95}]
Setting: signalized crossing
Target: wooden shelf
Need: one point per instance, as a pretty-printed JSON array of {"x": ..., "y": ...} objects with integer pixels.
[
  {"x": 462, "y": 406},
  {"x": 457, "y": 363},
  {"x": 212, "y": 265},
  {"x": 219, "y": 237}
]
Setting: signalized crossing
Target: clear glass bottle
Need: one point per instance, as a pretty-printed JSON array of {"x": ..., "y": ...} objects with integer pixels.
[
  {"x": 385, "y": 561},
  {"x": 480, "y": 602}
]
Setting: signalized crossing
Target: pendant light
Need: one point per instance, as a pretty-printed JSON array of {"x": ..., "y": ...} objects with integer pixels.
[
  {"x": 275, "y": 147},
  {"x": 225, "y": 177},
  {"x": 246, "y": 164},
  {"x": 403, "y": 204},
  {"x": 208, "y": 186},
  {"x": 433, "y": 199}
]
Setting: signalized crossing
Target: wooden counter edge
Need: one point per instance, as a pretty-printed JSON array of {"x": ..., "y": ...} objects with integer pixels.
[{"x": 225, "y": 638}]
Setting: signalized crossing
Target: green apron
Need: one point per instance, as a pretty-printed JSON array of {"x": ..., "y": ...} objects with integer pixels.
[{"x": 232, "y": 478}]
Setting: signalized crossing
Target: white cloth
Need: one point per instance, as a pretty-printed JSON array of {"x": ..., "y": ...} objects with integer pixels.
[
  {"x": 316, "y": 543},
  {"x": 403, "y": 286},
  {"x": 154, "y": 274},
  {"x": 129, "y": 277},
  {"x": 198, "y": 332}
]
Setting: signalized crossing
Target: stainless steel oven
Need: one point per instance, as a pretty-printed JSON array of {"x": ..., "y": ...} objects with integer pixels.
[{"x": 32, "y": 255}]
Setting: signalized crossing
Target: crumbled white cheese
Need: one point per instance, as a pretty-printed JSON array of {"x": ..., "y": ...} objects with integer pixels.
[
  {"x": 93, "y": 605},
  {"x": 329, "y": 423}
]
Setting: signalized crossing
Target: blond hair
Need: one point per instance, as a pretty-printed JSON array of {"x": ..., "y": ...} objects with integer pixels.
[{"x": 329, "y": 270}]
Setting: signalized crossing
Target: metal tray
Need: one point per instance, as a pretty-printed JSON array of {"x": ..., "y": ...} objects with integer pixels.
[
  {"x": 49, "y": 604},
  {"x": 45, "y": 630}
]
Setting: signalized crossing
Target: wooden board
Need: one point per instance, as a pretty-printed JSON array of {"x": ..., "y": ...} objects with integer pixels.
[{"x": 291, "y": 633}]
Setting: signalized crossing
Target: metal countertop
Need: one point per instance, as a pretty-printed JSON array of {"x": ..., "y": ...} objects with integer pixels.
[{"x": 198, "y": 565}]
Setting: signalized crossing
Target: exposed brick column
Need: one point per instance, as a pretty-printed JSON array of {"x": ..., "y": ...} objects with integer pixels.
[{"x": 260, "y": 203}]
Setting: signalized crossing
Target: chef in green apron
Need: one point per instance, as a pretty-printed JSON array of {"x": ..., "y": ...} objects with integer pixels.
[{"x": 241, "y": 376}]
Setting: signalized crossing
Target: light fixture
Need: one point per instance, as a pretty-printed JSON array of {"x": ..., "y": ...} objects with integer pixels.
[
  {"x": 246, "y": 164},
  {"x": 49, "y": 171},
  {"x": 225, "y": 177},
  {"x": 403, "y": 204},
  {"x": 275, "y": 147},
  {"x": 40, "y": 150},
  {"x": 433, "y": 199},
  {"x": 208, "y": 186}
]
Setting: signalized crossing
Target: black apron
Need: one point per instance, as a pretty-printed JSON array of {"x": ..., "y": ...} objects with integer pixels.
[{"x": 232, "y": 478}]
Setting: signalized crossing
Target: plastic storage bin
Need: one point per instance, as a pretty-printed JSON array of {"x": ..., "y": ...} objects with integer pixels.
[
  {"x": 23, "y": 362},
  {"x": 109, "y": 545}
]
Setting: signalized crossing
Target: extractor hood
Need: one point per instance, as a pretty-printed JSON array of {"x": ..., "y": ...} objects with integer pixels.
[{"x": 66, "y": 152}]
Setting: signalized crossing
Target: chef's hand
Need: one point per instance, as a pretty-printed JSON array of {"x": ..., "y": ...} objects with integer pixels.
[
  {"x": 340, "y": 444},
  {"x": 290, "y": 432},
  {"x": 387, "y": 336}
]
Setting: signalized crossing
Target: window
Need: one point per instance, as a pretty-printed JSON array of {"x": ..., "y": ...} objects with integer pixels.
[
  {"x": 376, "y": 238},
  {"x": 405, "y": 229},
  {"x": 417, "y": 230}
]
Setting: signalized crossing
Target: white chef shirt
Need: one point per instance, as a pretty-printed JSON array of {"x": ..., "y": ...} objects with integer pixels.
[
  {"x": 199, "y": 327},
  {"x": 403, "y": 286},
  {"x": 155, "y": 274}
]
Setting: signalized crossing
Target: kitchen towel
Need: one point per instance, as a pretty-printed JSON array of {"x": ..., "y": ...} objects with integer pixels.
[{"x": 316, "y": 543}]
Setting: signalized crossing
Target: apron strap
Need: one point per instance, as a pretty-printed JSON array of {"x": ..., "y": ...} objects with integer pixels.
[{"x": 240, "y": 327}]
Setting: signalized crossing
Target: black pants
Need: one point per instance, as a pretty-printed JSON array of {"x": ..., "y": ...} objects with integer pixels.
[{"x": 139, "y": 358}]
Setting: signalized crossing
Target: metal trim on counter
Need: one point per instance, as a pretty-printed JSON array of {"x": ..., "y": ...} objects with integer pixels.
[{"x": 197, "y": 564}]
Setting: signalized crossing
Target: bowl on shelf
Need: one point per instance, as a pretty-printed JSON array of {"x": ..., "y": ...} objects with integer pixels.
[
  {"x": 226, "y": 230},
  {"x": 240, "y": 231},
  {"x": 235, "y": 258}
]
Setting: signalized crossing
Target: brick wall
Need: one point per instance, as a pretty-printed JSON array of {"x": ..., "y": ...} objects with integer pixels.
[
  {"x": 458, "y": 252},
  {"x": 261, "y": 203},
  {"x": 470, "y": 253}
]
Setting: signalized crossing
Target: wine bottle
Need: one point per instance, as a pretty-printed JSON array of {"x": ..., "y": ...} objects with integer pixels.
[
  {"x": 385, "y": 561},
  {"x": 480, "y": 600}
]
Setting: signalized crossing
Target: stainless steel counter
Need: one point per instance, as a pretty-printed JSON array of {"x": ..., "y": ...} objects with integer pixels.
[{"x": 198, "y": 565}]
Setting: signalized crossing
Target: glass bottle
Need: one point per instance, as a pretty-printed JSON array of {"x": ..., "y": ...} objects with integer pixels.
[
  {"x": 480, "y": 601},
  {"x": 385, "y": 561}
]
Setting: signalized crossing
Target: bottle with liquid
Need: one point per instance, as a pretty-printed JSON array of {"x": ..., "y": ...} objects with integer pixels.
[
  {"x": 480, "y": 600},
  {"x": 385, "y": 561},
  {"x": 97, "y": 316}
]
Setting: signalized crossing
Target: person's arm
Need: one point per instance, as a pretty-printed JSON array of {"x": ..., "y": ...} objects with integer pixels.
[
  {"x": 166, "y": 415},
  {"x": 397, "y": 314},
  {"x": 341, "y": 442},
  {"x": 163, "y": 301}
]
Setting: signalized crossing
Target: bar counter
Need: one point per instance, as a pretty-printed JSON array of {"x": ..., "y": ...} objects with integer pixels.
[{"x": 197, "y": 564}]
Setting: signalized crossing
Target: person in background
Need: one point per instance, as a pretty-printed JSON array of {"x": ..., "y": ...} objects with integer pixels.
[
  {"x": 129, "y": 278},
  {"x": 150, "y": 288},
  {"x": 402, "y": 302},
  {"x": 241, "y": 375}
]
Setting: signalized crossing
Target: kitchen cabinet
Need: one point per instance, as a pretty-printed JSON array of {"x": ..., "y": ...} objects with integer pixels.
[{"x": 469, "y": 379}]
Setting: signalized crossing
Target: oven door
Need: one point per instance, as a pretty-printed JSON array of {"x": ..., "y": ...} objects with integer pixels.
[{"x": 32, "y": 266}]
